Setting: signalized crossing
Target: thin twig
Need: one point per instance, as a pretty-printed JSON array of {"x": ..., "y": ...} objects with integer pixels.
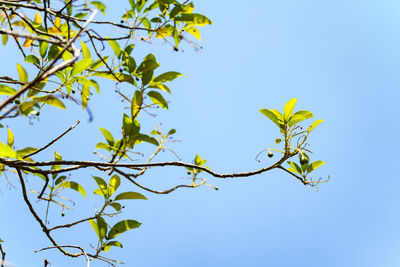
[{"x": 52, "y": 142}]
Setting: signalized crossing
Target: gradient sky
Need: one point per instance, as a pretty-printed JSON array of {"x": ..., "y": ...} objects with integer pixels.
[{"x": 341, "y": 59}]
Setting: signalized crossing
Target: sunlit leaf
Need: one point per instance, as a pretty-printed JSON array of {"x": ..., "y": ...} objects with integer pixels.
[
  {"x": 100, "y": 6},
  {"x": 102, "y": 185},
  {"x": 288, "y": 109},
  {"x": 23, "y": 75},
  {"x": 158, "y": 99},
  {"x": 10, "y": 137},
  {"x": 194, "y": 31},
  {"x": 115, "y": 47},
  {"x": 107, "y": 134},
  {"x": 167, "y": 76},
  {"x": 7, "y": 151},
  {"x": 315, "y": 165},
  {"x": 113, "y": 184},
  {"x": 81, "y": 66},
  {"x": 148, "y": 139},
  {"x": 38, "y": 18},
  {"x": 121, "y": 227},
  {"x": 50, "y": 100},
  {"x": 130, "y": 195},
  {"x": 110, "y": 244},
  {"x": 75, "y": 186},
  {"x": 193, "y": 19},
  {"x": 32, "y": 59},
  {"x": 6, "y": 90},
  {"x": 314, "y": 124}
]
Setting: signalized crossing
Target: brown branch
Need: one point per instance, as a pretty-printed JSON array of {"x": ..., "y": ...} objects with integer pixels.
[
  {"x": 3, "y": 256},
  {"x": 85, "y": 164},
  {"x": 51, "y": 69},
  {"x": 155, "y": 191},
  {"x": 29, "y": 36},
  {"x": 36, "y": 216}
]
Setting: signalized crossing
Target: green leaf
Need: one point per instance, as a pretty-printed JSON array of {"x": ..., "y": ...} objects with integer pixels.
[
  {"x": 6, "y": 90},
  {"x": 95, "y": 227},
  {"x": 100, "y": 6},
  {"x": 115, "y": 47},
  {"x": 102, "y": 227},
  {"x": 315, "y": 165},
  {"x": 75, "y": 186},
  {"x": 25, "y": 151},
  {"x": 146, "y": 77},
  {"x": 7, "y": 151},
  {"x": 167, "y": 77},
  {"x": 194, "y": 31},
  {"x": 102, "y": 185},
  {"x": 4, "y": 39},
  {"x": 85, "y": 51},
  {"x": 137, "y": 101},
  {"x": 98, "y": 63},
  {"x": 199, "y": 161},
  {"x": 23, "y": 75},
  {"x": 81, "y": 66},
  {"x": 295, "y": 167},
  {"x": 10, "y": 137},
  {"x": 43, "y": 48},
  {"x": 300, "y": 116},
  {"x": 148, "y": 139},
  {"x": 113, "y": 185},
  {"x": 288, "y": 109},
  {"x": 50, "y": 100},
  {"x": 102, "y": 145},
  {"x": 116, "y": 206},
  {"x": 271, "y": 115},
  {"x": 313, "y": 125},
  {"x": 159, "y": 86},
  {"x": 158, "y": 99},
  {"x": 85, "y": 94},
  {"x": 108, "y": 136},
  {"x": 130, "y": 195},
  {"x": 131, "y": 63},
  {"x": 121, "y": 227},
  {"x": 193, "y": 19},
  {"x": 147, "y": 65},
  {"x": 110, "y": 244},
  {"x": 140, "y": 4},
  {"x": 60, "y": 180},
  {"x": 171, "y": 132},
  {"x": 278, "y": 140},
  {"x": 32, "y": 59}
]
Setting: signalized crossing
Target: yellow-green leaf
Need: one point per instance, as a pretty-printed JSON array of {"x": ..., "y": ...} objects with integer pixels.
[
  {"x": 130, "y": 195},
  {"x": 10, "y": 137},
  {"x": 288, "y": 109},
  {"x": 50, "y": 100},
  {"x": 23, "y": 75},
  {"x": 7, "y": 151},
  {"x": 75, "y": 186}
]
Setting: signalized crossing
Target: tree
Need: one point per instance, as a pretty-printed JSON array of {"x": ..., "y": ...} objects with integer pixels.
[{"x": 66, "y": 50}]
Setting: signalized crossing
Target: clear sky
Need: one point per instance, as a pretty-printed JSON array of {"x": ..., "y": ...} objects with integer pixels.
[{"x": 341, "y": 59}]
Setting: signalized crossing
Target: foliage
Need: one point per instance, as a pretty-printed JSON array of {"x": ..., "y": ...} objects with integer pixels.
[{"x": 54, "y": 70}]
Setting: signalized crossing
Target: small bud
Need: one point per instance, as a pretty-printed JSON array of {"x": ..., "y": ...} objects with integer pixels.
[
  {"x": 63, "y": 214},
  {"x": 176, "y": 49},
  {"x": 17, "y": 102},
  {"x": 270, "y": 154},
  {"x": 37, "y": 113}
]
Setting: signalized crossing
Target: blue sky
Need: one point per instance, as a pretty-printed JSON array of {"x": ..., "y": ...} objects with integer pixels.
[{"x": 340, "y": 59}]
